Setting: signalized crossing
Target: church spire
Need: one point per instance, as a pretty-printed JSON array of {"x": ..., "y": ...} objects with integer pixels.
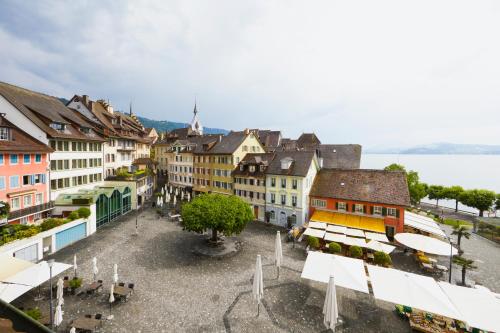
[
  {"x": 195, "y": 109},
  {"x": 196, "y": 126}
]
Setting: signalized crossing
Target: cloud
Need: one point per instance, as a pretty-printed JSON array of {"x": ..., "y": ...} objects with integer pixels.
[{"x": 369, "y": 72}]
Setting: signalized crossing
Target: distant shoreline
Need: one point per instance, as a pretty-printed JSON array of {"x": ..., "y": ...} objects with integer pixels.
[{"x": 428, "y": 153}]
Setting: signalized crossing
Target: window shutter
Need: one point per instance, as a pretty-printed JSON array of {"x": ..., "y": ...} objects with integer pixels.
[
  {"x": 384, "y": 211},
  {"x": 365, "y": 210},
  {"x": 43, "y": 178},
  {"x": 371, "y": 210},
  {"x": 347, "y": 207},
  {"x": 336, "y": 205},
  {"x": 397, "y": 213}
]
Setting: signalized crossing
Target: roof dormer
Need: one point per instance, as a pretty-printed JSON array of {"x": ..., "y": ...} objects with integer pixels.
[{"x": 286, "y": 163}]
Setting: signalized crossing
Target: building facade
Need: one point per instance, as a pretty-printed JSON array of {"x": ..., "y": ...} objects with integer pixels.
[{"x": 289, "y": 179}]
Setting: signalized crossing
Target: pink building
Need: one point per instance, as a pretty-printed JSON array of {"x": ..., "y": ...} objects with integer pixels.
[{"x": 24, "y": 182}]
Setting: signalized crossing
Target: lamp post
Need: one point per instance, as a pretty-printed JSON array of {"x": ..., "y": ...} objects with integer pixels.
[
  {"x": 51, "y": 263},
  {"x": 451, "y": 257}
]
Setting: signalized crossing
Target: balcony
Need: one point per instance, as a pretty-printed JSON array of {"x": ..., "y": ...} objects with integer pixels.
[{"x": 14, "y": 215}]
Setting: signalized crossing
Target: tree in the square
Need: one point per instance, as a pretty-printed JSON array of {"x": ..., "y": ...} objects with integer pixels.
[
  {"x": 226, "y": 214},
  {"x": 460, "y": 231},
  {"x": 453, "y": 193},
  {"x": 480, "y": 199},
  {"x": 436, "y": 192},
  {"x": 417, "y": 190}
]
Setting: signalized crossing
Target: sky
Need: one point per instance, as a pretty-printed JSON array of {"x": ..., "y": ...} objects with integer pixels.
[{"x": 378, "y": 73}]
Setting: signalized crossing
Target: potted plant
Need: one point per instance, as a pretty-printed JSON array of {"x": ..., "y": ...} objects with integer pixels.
[
  {"x": 334, "y": 248},
  {"x": 355, "y": 251},
  {"x": 74, "y": 284}
]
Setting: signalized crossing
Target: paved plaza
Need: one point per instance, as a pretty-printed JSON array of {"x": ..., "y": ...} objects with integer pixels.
[{"x": 178, "y": 291}]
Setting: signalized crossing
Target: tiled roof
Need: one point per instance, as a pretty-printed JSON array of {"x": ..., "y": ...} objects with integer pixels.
[
  {"x": 256, "y": 160},
  {"x": 228, "y": 143},
  {"x": 377, "y": 186},
  {"x": 308, "y": 140},
  {"x": 20, "y": 141},
  {"x": 301, "y": 161},
  {"x": 340, "y": 156},
  {"x": 268, "y": 138},
  {"x": 143, "y": 160}
]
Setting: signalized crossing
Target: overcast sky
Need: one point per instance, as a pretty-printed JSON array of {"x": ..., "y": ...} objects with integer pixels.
[{"x": 378, "y": 73}]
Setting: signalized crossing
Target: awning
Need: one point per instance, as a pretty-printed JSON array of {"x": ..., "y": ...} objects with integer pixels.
[
  {"x": 350, "y": 220},
  {"x": 348, "y": 272},
  {"x": 335, "y": 228},
  {"x": 376, "y": 236},
  {"x": 11, "y": 265},
  {"x": 423, "y": 223},
  {"x": 426, "y": 244},
  {"x": 29, "y": 278},
  {"x": 317, "y": 225},
  {"x": 314, "y": 232},
  {"x": 331, "y": 237},
  {"x": 377, "y": 246},
  {"x": 417, "y": 291},
  {"x": 355, "y": 241},
  {"x": 355, "y": 233}
]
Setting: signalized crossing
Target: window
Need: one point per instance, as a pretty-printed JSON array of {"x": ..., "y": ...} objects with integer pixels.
[
  {"x": 318, "y": 203},
  {"x": 377, "y": 210},
  {"x": 66, "y": 146},
  {"x": 272, "y": 215},
  {"x": 245, "y": 148},
  {"x": 1, "y": 159},
  {"x": 4, "y": 133},
  {"x": 27, "y": 200},
  {"x": 38, "y": 198},
  {"x": 294, "y": 200},
  {"x": 273, "y": 182},
  {"x": 392, "y": 212},
  {"x": 13, "y": 159},
  {"x": 252, "y": 168},
  {"x": 26, "y": 158},
  {"x": 294, "y": 184},
  {"x": 341, "y": 206},
  {"x": 359, "y": 208},
  {"x": 2, "y": 182},
  {"x": 273, "y": 198},
  {"x": 15, "y": 203},
  {"x": 26, "y": 180},
  {"x": 283, "y": 199},
  {"x": 38, "y": 158},
  {"x": 59, "y": 145},
  {"x": 14, "y": 181},
  {"x": 283, "y": 182},
  {"x": 73, "y": 146}
]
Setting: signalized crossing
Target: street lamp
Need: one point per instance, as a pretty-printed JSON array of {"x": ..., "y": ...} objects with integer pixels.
[
  {"x": 451, "y": 257},
  {"x": 51, "y": 263}
]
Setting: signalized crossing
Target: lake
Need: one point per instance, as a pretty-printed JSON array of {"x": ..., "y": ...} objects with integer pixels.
[{"x": 468, "y": 171}]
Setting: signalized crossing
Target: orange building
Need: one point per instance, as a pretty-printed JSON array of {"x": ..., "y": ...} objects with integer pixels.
[{"x": 369, "y": 200}]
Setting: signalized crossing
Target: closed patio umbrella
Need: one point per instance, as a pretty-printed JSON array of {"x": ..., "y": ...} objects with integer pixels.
[
  {"x": 278, "y": 253},
  {"x": 60, "y": 291},
  {"x": 111, "y": 299},
  {"x": 58, "y": 315},
  {"x": 115, "y": 273},
  {"x": 75, "y": 267},
  {"x": 158, "y": 201},
  {"x": 175, "y": 201},
  {"x": 176, "y": 192},
  {"x": 258, "y": 283},
  {"x": 188, "y": 197},
  {"x": 72, "y": 330},
  {"x": 330, "y": 308},
  {"x": 94, "y": 268},
  {"x": 162, "y": 191}
]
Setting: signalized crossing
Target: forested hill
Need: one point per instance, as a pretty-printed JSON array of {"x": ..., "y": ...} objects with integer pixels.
[{"x": 165, "y": 125}]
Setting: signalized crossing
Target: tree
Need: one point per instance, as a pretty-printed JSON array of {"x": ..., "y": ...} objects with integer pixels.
[
  {"x": 220, "y": 213},
  {"x": 417, "y": 190},
  {"x": 436, "y": 192},
  {"x": 83, "y": 212},
  {"x": 453, "y": 193},
  {"x": 497, "y": 204},
  {"x": 480, "y": 199},
  {"x": 460, "y": 231},
  {"x": 466, "y": 264}
]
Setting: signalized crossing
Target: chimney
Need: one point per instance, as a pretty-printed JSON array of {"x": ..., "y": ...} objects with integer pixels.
[
  {"x": 320, "y": 162},
  {"x": 246, "y": 131},
  {"x": 85, "y": 100},
  {"x": 220, "y": 138},
  {"x": 109, "y": 108}
]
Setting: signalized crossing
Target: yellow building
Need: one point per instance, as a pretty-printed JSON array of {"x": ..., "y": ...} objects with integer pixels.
[{"x": 214, "y": 161}]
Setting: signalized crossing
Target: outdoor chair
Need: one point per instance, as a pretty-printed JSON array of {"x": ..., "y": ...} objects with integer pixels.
[
  {"x": 98, "y": 316},
  {"x": 88, "y": 316},
  {"x": 131, "y": 286},
  {"x": 100, "y": 281},
  {"x": 121, "y": 284}
]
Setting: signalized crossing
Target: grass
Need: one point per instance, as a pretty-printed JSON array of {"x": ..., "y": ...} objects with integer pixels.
[{"x": 453, "y": 222}]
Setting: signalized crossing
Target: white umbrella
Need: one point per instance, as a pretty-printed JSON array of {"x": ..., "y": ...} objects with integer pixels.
[
  {"x": 162, "y": 191},
  {"x": 168, "y": 198},
  {"x": 330, "y": 309},
  {"x": 170, "y": 189},
  {"x": 111, "y": 299},
  {"x": 278, "y": 252},
  {"x": 75, "y": 267},
  {"x": 258, "y": 283},
  {"x": 176, "y": 191},
  {"x": 377, "y": 246},
  {"x": 58, "y": 315},
  {"x": 94, "y": 267},
  {"x": 115, "y": 273},
  {"x": 189, "y": 197},
  {"x": 426, "y": 244},
  {"x": 72, "y": 330},
  {"x": 60, "y": 291},
  {"x": 175, "y": 201},
  {"x": 158, "y": 201}
]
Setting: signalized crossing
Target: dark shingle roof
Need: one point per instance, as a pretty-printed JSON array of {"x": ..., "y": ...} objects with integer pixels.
[
  {"x": 308, "y": 140},
  {"x": 253, "y": 159},
  {"x": 301, "y": 161},
  {"x": 228, "y": 144},
  {"x": 20, "y": 141},
  {"x": 377, "y": 186},
  {"x": 340, "y": 156}
]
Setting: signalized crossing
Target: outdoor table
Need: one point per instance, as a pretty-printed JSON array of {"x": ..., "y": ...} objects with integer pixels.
[
  {"x": 442, "y": 268},
  {"x": 86, "y": 324},
  {"x": 432, "y": 260},
  {"x": 6, "y": 326},
  {"x": 122, "y": 291},
  {"x": 427, "y": 266},
  {"x": 94, "y": 286}
]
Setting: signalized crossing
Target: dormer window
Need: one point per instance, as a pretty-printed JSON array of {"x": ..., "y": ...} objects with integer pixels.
[
  {"x": 58, "y": 126},
  {"x": 252, "y": 168},
  {"x": 4, "y": 133},
  {"x": 242, "y": 167},
  {"x": 85, "y": 130},
  {"x": 262, "y": 168},
  {"x": 286, "y": 163}
]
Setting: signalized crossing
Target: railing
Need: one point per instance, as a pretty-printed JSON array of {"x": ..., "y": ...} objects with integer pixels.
[{"x": 30, "y": 210}]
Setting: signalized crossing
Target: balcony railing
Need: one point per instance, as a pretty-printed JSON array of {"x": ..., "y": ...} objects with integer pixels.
[{"x": 30, "y": 210}]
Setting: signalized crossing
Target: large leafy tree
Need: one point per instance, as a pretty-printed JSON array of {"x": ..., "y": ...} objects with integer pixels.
[
  {"x": 220, "y": 213},
  {"x": 480, "y": 199},
  {"x": 417, "y": 190},
  {"x": 466, "y": 264},
  {"x": 436, "y": 192},
  {"x": 497, "y": 203},
  {"x": 453, "y": 193}
]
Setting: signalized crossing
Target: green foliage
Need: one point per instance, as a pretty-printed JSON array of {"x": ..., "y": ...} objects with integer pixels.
[
  {"x": 123, "y": 173},
  {"x": 416, "y": 189},
  {"x": 52, "y": 223},
  {"x": 395, "y": 167},
  {"x": 334, "y": 247},
  {"x": 466, "y": 264},
  {"x": 382, "y": 258},
  {"x": 313, "y": 242},
  {"x": 480, "y": 199},
  {"x": 83, "y": 212},
  {"x": 73, "y": 216},
  {"x": 12, "y": 232},
  {"x": 222, "y": 213},
  {"x": 453, "y": 193},
  {"x": 497, "y": 202},
  {"x": 460, "y": 231},
  {"x": 75, "y": 283},
  {"x": 35, "y": 313},
  {"x": 4, "y": 209},
  {"x": 453, "y": 223},
  {"x": 436, "y": 192},
  {"x": 355, "y": 251}
]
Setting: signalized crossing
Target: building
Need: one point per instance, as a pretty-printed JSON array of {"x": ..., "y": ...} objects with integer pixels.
[
  {"x": 249, "y": 179},
  {"x": 271, "y": 140},
  {"x": 214, "y": 161},
  {"x": 289, "y": 178},
  {"x": 77, "y": 158},
  {"x": 371, "y": 200},
  {"x": 24, "y": 184},
  {"x": 160, "y": 148}
]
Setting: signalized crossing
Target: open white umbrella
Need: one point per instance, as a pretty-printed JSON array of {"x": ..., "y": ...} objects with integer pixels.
[
  {"x": 75, "y": 266},
  {"x": 258, "y": 283},
  {"x": 115, "y": 273},
  {"x": 94, "y": 268},
  {"x": 278, "y": 252},
  {"x": 426, "y": 244},
  {"x": 58, "y": 315},
  {"x": 330, "y": 308},
  {"x": 377, "y": 246},
  {"x": 60, "y": 291}
]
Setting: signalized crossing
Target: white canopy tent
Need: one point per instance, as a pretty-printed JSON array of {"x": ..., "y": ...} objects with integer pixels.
[
  {"x": 377, "y": 246},
  {"x": 426, "y": 244},
  {"x": 355, "y": 241},
  {"x": 410, "y": 289},
  {"x": 423, "y": 223},
  {"x": 354, "y": 232},
  {"x": 314, "y": 232},
  {"x": 29, "y": 278},
  {"x": 479, "y": 308},
  {"x": 348, "y": 272},
  {"x": 317, "y": 225},
  {"x": 331, "y": 237},
  {"x": 376, "y": 236},
  {"x": 336, "y": 229}
]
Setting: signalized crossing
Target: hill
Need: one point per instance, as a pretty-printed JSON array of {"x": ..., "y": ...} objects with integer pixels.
[
  {"x": 441, "y": 149},
  {"x": 165, "y": 125}
]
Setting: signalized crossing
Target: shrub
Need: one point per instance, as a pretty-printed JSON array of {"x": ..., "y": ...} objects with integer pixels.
[
  {"x": 73, "y": 216},
  {"x": 334, "y": 247},
  {"x": 34, "y": 313},
  {"x": 382, "y": 258},
  {"x": 75, "y": 283},
  {"x": 313, "y": 242},
  {"x": 51, "y": 223},
  {"x": 83, "y": 212},
  {"x": 355, "y": 251}
]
